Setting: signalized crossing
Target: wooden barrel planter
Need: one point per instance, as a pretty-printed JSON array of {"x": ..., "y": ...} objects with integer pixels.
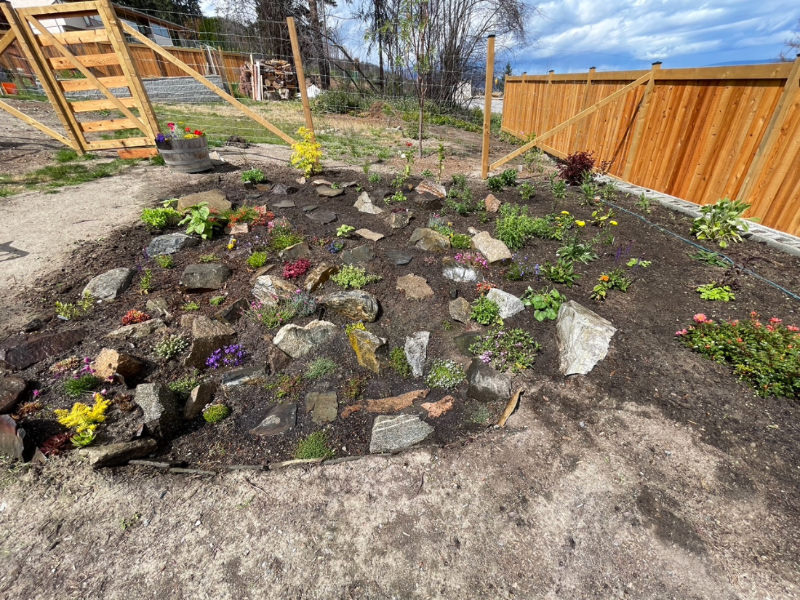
[{"x": 186, "y": 156}]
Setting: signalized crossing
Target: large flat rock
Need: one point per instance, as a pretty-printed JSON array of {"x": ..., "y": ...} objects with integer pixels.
[{"x": 393, "y": 433}]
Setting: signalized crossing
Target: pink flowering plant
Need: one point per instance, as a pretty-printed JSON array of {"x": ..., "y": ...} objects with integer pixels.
[
  {"x": 506, "y": 349},
  {"x": 765, "y": 355},
  {"x": 471, "y": 259}
]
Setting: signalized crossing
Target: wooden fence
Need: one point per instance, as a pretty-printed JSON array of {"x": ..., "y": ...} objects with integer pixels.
[
  {"x": 147, "y": 62},
  {"x": 698, "y": 134}
]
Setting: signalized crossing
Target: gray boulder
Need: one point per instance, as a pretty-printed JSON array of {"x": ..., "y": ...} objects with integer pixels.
[
  {"x": 279, "y": 419},
  {"x": 494, "y": 250},
  {"x": 364, "y": 204},
  {"x": 487, "y": 384},
  {"x": 298, "y": 341},
  {"x": 198, "y": 398},
  {"x": 205, "y": 276},
  {"x": 460, "y": 310},
  {"x": 429, "y": 240},
  {"x": 270, "y": 290},
  {"x": 416, "y": 349},
  {"x": 109, "y": 285},
  {"x": 170, "y": 244},
  {"x": 207, "y": 336},
  {"x": 583, "y": 338},
  {"x": 11, "y": 389},
  {"x": 391, "y": 433},
  {"x": 160, "y": 407},
  {"x": 357, "y": 305},
  {"x": 509, "y": 304}
]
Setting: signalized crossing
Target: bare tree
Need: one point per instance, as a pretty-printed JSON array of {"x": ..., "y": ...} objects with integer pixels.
[{"x": 792, "y": 46}]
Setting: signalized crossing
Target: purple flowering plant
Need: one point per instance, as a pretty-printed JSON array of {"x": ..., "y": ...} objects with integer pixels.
[
  {"x": 227, "y": 356},
  {"x": 506, "y": 349}
]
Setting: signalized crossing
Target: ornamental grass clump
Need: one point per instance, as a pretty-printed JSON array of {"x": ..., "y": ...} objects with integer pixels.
[
  {"x": 512, "y": 349},
  {"x": 765, "y": 355},
  {"x": 75, "y": 388}
]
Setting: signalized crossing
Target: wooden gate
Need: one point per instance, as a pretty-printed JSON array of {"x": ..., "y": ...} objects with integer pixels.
[{"x": 133, "y": 113}]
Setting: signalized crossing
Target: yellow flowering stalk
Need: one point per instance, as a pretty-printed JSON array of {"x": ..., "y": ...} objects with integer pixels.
[{"x": 307, "y": 154}]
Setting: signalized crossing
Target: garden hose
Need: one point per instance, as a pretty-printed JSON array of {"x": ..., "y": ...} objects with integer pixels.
[{"x": 699, "y": 247}]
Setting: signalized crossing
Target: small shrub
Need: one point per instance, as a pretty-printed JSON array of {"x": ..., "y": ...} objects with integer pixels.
[
  {"x": 461, "y": 241},
  {"x": 134, "y": 316},
  {"x": 313, "y": 447},
  {"x": 485, "y": 311},
  {"x": 644, "y": 204},
  {"x": 306, "y": 154},
  {"x": 345, "y": 231},
  {"x": 398, "y": 362},
  {"x": 214, "y": 413},
  {"x": 75, "y": 388},
  {"x": 526, "y": 191},
  {"x": 350, "y": 276},
  {"x": 445, "y": 374},
  {"x": 257, "y": 259},
  {"x": 767, "y": 356},
  {"x": 512, "y": 349},
  {"x": 575, "y": 166},
  {"x": 545, "y": 303},
  {"x": 721, "y": 222},
  {"x": 72, "y": 312},
  {"x": 170, "y": 347},
  {"x": 558, "y": 187},
  {"x": 321, "y": 367},
  {"x": 577, "y": 251},
  {"x": 283, "y": 237},
  {"x": 160, "y": 218},
  {"x": 183, "y": 387},
  {"x": 514, "y": 226},
  {"x": 253, "y": 176},
  {"x": 507, "y": 178},
  {"x": 298, "y": 268},
  {"x": 165, "y": 261},
  {"x": 711, "y": 291},
  {"x": 198, "y": 220},
  {"x": 459, "y": 197},
  {"x": 395, "y": 198},
  {"x": 374, "y": 178}
]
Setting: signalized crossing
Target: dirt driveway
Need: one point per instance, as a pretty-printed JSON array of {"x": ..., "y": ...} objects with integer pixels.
[{"x": 585, "y": 496}]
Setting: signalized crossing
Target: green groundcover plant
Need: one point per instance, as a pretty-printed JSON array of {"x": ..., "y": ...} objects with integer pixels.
[{"x": 765, "y": 355}]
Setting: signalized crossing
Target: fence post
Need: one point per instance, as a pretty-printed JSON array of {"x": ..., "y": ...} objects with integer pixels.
[
  {"x": 487, "y": 108},
  {"x": 582, "y": 126},
  {"x": 640, "y": 122},
  {"x": 301, "y": 77},
  {"x": 773, "y": 130}
]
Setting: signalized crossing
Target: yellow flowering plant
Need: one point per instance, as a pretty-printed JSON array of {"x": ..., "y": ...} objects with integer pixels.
[
  {"x": 307, "y": 154},
  {"x": 84, "y": 419}
]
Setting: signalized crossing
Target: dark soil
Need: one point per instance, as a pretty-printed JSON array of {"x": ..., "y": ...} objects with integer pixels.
[{"x": 645, "y": 365}]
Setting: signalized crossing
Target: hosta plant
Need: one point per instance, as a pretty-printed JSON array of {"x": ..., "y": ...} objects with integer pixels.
[{"x": 721, "y": 222}]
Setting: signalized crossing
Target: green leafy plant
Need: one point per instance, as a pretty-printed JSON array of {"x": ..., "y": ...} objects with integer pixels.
[
  {"x": 345, "y": 231},
  {"x": 214, "y": 413},
  {"x": 638, "y": 262},
  {"x": 257, "y": 259},
  {"x": 190, "y": 306},
  {"x": 216, "y": 300},
  {"x": 208, "y": 258},
  {"x": 710, "y": 258},
  {"x": 721, "y": 222},
  {"x": 612, "y": 280},
  {"x": 165, "y": 261},
  {"x": 460, "y": 241},
  {"x": 306, "y": 155},
  {"x": 498, "y": 183},
  {"x": 395, "y": 198},
  {"x": 146, "y": 282},
  {"x": 69, "y": 311},
  {"x": 563, "y": 271},
  {"x": 545, "y": 303},
  {"x": 644, "y": 204},
  {"x": 513, "y": 349},
  {"x": 75, "y": 388},
  {"x": 354, "y": 387},
  {"x": 558, "y": 187},
  {"x": 601, "y": 219},
  {"x": 198, "y": 220},
  {"x": 719, "y": 293},
  {"x": 321, "y": 367},
  {"x": 350, "y": 276},
  {"x": 514, "y": 226},
  {"x": 445, "y": 374},
  {"x": 459, "y": 197},
  {"x": 183, "y": 386},
  {"x": 765, "y": 355},
  {"x": 445, "y": 230},
  {"x": 253, "y": 176},
  {"x": 485, "y": 311},
  {"x": 399, "y": 362},
  {"x": 160, "y": 218},
  {"x": 577, "y": 251},
  {"x": 272, "y": 316},
  {"x": 314, "y": 446},
  {"x": 170, "y": 347},
  {"x": 526, "y": 191},
  {"x": 283, "y": 237},
  {"x": 374, "y": 178}
]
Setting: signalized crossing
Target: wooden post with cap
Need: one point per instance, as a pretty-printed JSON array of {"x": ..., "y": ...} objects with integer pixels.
[{"x": 487, "y": 108}]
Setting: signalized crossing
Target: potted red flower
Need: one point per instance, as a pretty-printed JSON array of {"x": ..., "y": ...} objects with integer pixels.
[{"x": 184, "y": 149}]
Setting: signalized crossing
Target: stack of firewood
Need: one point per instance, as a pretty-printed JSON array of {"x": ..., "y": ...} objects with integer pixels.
[{"x": 268, "y": 80}]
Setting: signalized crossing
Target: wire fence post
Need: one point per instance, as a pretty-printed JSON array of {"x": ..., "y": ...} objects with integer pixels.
[
  {"x": 487, "y": 108},
  {"x": 301, "y": 77}
]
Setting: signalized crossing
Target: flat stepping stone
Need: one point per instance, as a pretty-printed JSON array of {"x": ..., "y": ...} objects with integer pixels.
[
  {"x": 393, "y": 433},
  {"x": 414, "y": 287},
  {"x": 322, "y": 182},
  {"x": 284, "y": 204},
  {"x": 398, "y": 257},
  {"x": 369, "y": 235},
  {"x": 280, "y": 189},
  {"x": 243, "y": 375},
  {"x": 323, "y": 405},
  {"x": 29, "y": 352},
  {"x": 329, "y": 192},
  {"x": 279, "y": 419},
  {"x": 310, "y": 208},
  {"x": 323, "y": 217},
  {"x": 358, "y": 255},
  {"x": 170, "y": 243}
]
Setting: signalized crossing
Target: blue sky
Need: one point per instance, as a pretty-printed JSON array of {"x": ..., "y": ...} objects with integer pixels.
[{"x": 611, "y": 35}]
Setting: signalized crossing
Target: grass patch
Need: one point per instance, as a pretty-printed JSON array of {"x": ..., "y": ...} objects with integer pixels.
[{"x": 314, "y": 446}]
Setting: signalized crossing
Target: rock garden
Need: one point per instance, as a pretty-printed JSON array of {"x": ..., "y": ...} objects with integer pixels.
[{"x": 261, "y": 317}]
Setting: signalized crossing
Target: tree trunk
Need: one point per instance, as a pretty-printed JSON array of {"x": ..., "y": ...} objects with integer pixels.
[{"x": 319, "y": 45}]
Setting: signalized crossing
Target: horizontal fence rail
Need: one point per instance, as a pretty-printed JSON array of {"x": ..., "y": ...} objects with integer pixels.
[{"x": 698, "y": 134}]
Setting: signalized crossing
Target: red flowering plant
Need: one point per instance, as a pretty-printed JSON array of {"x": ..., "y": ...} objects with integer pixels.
[
  {"x": 135, "y": 316},
  {"x": 298, "y": 268},
  {"x": 765, "y": 355},
  {"x": 177, "y": 131}
]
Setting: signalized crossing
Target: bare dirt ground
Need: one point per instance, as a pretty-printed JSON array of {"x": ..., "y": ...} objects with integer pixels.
[{"x": 583, "y": 496}]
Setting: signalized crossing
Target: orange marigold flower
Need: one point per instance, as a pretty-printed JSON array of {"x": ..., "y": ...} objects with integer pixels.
[{"x": 604, "y": 277}]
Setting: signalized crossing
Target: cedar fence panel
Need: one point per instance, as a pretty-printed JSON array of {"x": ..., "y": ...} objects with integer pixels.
[{"x": 706, "y": 134}]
